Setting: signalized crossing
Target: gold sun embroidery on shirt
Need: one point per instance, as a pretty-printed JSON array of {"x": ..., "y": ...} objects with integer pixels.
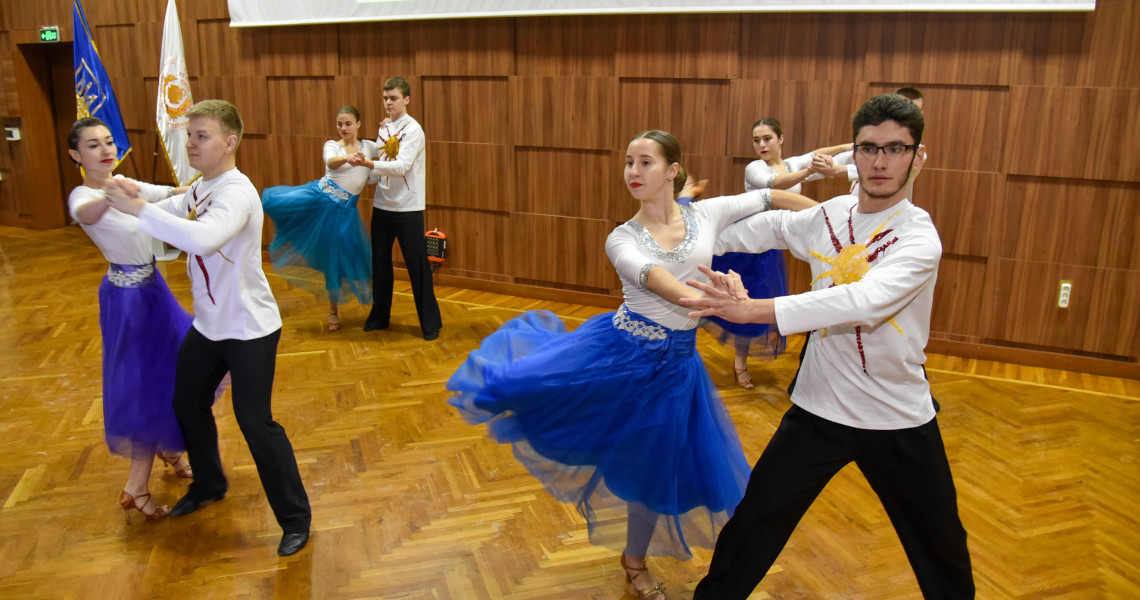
[
  {"x": 390, "y": 145},
  {"x": 852, "y": 262}
]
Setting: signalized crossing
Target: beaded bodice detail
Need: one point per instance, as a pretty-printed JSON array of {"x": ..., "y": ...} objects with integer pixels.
[{"x": 678, "y": 254}]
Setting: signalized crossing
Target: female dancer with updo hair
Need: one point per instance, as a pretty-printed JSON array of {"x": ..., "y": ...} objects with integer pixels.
[
  {"x": 318, "y": 226},
  {"x": 619, "y": 416},
  {"x": 764, "y": 275},
  {"x": 141, "y": 323}
]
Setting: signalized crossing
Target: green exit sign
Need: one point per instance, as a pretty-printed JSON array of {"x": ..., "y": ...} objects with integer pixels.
[{"x": 49, "y": 34}]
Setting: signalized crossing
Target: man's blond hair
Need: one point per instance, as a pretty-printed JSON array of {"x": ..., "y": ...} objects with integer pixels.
[{"x": 226, "y": 114}]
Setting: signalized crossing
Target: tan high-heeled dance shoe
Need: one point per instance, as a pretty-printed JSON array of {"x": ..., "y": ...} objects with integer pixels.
[
  {"x": 179, "y": 462},
  {"x": 127, "y": 502},
  {"x": 743, "y": 377},
  {"x": 657, "y": 592}
]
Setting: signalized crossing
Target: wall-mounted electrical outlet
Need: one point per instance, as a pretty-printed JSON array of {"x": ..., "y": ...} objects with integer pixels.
[{"x": 1065, "y": 294}]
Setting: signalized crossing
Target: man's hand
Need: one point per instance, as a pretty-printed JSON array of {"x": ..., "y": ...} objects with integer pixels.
[
  {"x": 726, "y": 297},
  {"x": 123, "y": 196}
]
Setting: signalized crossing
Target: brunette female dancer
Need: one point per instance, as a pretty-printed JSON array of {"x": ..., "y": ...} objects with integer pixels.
[
  {"x": 619, "y": 416},
  {"x": 318, "y": 226},
  {"x": 764, "y": 274},
  {"x": 141, "y": 322}
]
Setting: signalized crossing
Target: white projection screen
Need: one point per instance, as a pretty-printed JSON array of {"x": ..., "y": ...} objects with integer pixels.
[{"x": 267, "y": 13}]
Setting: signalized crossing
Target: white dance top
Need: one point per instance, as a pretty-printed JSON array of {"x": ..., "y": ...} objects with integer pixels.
[
  {"x": 232, "y": 299},
  {"x": 401, "y": 180},
  {"x": 351, "y": 179},
  {"x": 864, "y": 362},
  {"x": 633, "y": 252},
  {"x": 117, "y": 234},
  {"x": 758, "y": 175}
]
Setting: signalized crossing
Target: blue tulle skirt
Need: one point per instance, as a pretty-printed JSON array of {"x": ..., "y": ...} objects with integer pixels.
[
  {"x": 142, "y": 329},
  {"x": 319, "y": 229},
  {"x": 618, "y": 412},
  {"x": 764, "y": 276}
]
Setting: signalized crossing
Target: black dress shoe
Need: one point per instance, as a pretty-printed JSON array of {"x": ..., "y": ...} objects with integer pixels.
[
  {"x": 374, "y": 325},
  {"x": 431, "y": 336},
  {"x": 291, "y": 543},
  {"x": 189, "y": 504}
]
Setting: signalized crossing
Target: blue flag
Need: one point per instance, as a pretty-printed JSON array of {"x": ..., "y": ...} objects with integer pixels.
[{"x": 93, "y": 94}]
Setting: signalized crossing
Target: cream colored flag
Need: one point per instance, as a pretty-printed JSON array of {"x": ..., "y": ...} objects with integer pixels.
[{"x": 174, "y": 98}]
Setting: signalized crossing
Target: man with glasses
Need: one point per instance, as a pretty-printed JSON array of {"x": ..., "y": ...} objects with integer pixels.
[{"x": 860, "y": 394}]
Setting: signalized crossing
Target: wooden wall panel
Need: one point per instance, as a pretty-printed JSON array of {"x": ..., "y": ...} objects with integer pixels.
[
  {"x": 946, "y": 48},
  {"x": 304, "y": 165},
  {"x": 1090, "y": 133},
  {"x": 1101, "y": 318},
  {"x": 566, "y": 46},
  {"x": 813, "y": 114},
  {"x": 249, "y": 94},
  {"x": 222, "y": 52},
  {"x": 1069, "y": 222},
  {"x": 9, "y": 99},
  {"x": 571, "y": 183},
  {"x": 303, "y": 106},
  {"x": 565, "y": 112},
  {"x": 965, "y": 126},
  {"x": 560, "y": 251},
  {"x": 469, "y": 175},
  {"x": 377, "y": 51},
  {"x": 477, "y": 241},
  {"x": 291, "y": 51},
  {"x": 795, "y": 47},
  {"x": 199, "y": 9},
  {"x": 963, "y": 205},
  {"x": 692, "y": 110},
  {"x": 32, "y": 14},
  {"x": 118, "y": 47},
  {"x": 725, "y": 177},
  {"x": 687, "y": 47},
  {"x": 472, "y": 47},
  {"x": 1097, "y": 49},
  {"x": 110, "y": 13},
  {"x": 467, "y": 109},
  {"x": 958, "y": 297}
]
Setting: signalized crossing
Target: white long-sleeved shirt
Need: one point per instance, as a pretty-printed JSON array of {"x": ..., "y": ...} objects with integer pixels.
[
  {"x": 864, "y": 362},
  {"x": 633, "y": 252},
  {"x": 350, "y": 179},
  {"x": 401, "y": 179},
  {"x": 232, "y": 299},
  {"x": 759, "y": 175},
  {"x": 117, "y": 234}
]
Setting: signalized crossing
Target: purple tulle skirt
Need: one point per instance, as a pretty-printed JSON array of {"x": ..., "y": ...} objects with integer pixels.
[
  {"x": 764, "y": 276},
  {"x": 617, "y": 413},
  {"x": 143, "y": 326}
]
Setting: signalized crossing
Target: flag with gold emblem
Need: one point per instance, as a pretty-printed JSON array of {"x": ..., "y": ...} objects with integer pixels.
[
  {"x": 93, "y": 94},
  {"x": 174, "y": 98}
]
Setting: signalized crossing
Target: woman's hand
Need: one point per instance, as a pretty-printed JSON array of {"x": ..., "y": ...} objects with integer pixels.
[
  {"x": 123, "y": 196},
  {"x": 726, "y": 297}
]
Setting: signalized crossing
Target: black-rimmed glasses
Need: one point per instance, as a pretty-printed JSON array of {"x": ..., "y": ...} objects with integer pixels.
[{"x": 869, "y": 151}]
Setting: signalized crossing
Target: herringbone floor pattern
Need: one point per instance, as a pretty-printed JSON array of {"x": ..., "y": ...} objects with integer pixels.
[{"x": 409, "y": 502}]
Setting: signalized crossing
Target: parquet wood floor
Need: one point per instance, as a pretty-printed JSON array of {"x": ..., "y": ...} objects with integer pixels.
[{"x": 409, "y": 502}]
